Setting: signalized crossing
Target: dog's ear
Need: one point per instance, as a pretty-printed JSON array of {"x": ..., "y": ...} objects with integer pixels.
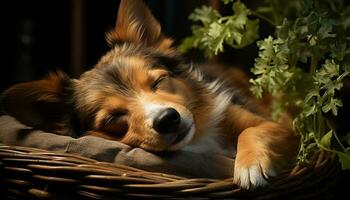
[
  {"x": 41, "y": 104},
  {"x": 135, "y": 23}
]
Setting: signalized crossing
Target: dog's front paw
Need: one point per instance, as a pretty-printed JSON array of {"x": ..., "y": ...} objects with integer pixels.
[
  {"x": 252, "y": 171},
  {"x": 263, "y": 151}
]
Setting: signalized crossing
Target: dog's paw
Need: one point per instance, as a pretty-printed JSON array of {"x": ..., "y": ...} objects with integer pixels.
[{"x": 252, "y": 172}]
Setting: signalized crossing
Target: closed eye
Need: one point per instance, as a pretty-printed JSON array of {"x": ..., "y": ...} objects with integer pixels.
[
  {"x": 157, "y": 82},
  {"x": 114, "y": 116}
]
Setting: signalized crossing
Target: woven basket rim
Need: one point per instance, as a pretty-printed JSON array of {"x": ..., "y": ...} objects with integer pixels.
[{"x": 33, "y": 172}]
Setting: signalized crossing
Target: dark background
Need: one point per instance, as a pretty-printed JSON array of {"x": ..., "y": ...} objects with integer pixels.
[{"x": 41, "y": 36}]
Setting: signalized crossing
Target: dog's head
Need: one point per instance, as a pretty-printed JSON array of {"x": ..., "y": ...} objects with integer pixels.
[{"x": 139, "y": 93}]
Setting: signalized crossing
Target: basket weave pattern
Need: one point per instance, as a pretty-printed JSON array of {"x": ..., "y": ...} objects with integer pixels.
[{"x": 29, "y": 173}]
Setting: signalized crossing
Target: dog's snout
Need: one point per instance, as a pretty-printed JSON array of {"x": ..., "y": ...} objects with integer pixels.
[{"x": 168, "y": 121}]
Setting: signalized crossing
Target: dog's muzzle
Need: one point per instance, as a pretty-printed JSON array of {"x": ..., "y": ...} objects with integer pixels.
[
  {"x": 167, "y": 122},
  {"x": 173, "y": 127}
]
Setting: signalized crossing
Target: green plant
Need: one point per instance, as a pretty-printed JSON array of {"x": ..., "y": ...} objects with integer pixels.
[{"x": 303, "y": 64}]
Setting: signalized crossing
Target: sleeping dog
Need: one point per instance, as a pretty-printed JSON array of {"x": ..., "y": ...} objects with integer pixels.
[{"x": 143, "y": 94}]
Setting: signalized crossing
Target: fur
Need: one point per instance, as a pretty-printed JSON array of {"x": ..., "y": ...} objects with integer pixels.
[{"x": 143, "y": 94}]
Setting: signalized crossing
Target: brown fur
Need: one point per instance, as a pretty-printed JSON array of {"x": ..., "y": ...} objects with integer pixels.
[{"x": 141, "y": 76}]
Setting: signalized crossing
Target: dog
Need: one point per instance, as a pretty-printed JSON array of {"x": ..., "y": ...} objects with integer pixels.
[{"x": 143, "y": 94}]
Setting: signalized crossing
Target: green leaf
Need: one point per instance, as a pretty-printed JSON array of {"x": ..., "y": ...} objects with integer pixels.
[
  {"x": 333, "y": 105},
  {"x": 347, "y": 138},
  {"x": 250, "y": 35},
  {"x": 205, "y": 14},
  {"x": 311, "y": 94},
  {"x": 344, "y": 160},
  {"x": 187, "y": 44},
  {"x": 325, "y": 32},
  {"x": 326, "y": 139},
  {"x": 236, "y": 30},
  {"x": 310, "y": 110},
  {"x": 240, "y": 16},
  {"x": 227, "y": 1},
  {"x": 331, "y": 68},
  {"x": 256, "y": 89}
]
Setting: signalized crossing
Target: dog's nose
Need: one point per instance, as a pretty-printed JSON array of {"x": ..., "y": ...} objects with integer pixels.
[{"x": 168, "y": 121}]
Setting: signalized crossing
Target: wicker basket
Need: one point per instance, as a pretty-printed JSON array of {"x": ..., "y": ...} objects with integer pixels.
[{"x": 29, "y": 173}]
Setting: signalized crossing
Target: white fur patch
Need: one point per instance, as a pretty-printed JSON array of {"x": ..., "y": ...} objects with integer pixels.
[
  {"x": 210, "y": 141},
  {"x": 195, "y": 73},
  {"x": 251, "y": 177},
  {"x": 152, "y": 110},
  {"x": 256, "y": 176}
]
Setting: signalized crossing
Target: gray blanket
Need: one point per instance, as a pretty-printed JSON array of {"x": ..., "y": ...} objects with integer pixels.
[{"x": 181, "y": 163}]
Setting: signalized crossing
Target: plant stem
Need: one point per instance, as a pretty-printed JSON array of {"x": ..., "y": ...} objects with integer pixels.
[
  {"x": 320, "y": 125},
  {"x": 224, "y": 18},
  {"x": 318, "y": 115},
  {"x": 313, "y": 65},
  {"x": 314, "y": 123},
  {"x": 263, "y": 17},
  {"x": 337, "y": 138},
  {"x": 335, "y": 135},
  {"x": 274, "y": 12}
]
